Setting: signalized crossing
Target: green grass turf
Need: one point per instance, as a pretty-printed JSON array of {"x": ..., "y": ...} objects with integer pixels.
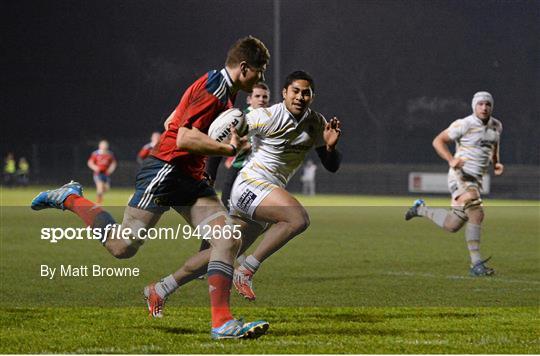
[{"x": 360, "y": 280}]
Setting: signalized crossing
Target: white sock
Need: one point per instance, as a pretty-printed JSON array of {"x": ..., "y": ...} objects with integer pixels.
[
  {"x": 166, "y": 286},
  {"x": 240, "y": 259},
  {"x": 472, "y": 236},
  {"x": 251, "y": 264},
  {"x": 438, "y": 216}
]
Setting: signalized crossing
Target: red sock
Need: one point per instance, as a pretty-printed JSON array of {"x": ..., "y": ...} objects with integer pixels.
[
  {"x": 220, "y": 290},
  {"x": 84, "y": 208}
]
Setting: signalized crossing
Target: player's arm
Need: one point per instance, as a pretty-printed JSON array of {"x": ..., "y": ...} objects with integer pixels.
[
  {"x": 498, "y": 167},
  {"x": 112, "y": 167},
  {"x": 194, "y": 141},
  {"x": 169, "y": 119},
  {"x": 440, "y": 144},
  {"x": 91, "y": 164},
  {"x": 143, "y": 153},
  {"x": 329, "y": 155}
]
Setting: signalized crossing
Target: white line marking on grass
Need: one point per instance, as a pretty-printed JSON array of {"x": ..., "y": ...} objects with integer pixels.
[
  {"x": 110, "y": 350},
  {"x": 431, "y": 275}
]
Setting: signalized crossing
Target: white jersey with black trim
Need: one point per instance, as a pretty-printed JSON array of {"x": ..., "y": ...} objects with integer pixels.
[
  {"x": 281, "y": 142},
  {"x": 475, "y": 142}
]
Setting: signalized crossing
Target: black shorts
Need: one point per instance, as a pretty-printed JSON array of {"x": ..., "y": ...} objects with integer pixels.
[{"x": 160, "y": 186}]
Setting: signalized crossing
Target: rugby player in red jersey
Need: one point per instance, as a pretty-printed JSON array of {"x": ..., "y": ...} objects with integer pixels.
[
  {"x": 173, "y": 176},
  {"x": 103, "y": 164}
]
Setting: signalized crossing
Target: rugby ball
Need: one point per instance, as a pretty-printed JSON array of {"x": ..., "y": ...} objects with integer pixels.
[{"x": 220, "y": 128}]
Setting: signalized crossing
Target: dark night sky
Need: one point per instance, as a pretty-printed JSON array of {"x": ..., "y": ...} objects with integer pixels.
[{"x": 395, "y": 72}]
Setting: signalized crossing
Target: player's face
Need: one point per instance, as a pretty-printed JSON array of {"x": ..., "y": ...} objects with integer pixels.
[
  {"x": 259, "y": 98},
  {"x": 482, "y": 110},
  {"x": 250, "y": 76},
  {"x": 103, "y": 145},
  {"x": 298, "y": 97}
]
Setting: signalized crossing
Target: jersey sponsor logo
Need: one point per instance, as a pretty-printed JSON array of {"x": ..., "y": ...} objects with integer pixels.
[{"x": 245, "y": 201}]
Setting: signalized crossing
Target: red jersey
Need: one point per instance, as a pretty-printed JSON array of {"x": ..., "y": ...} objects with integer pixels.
[
  {"x": 202, "y": 102},
  {"x": 145, "y": 151},
  {"x": 102, "y": 159}
]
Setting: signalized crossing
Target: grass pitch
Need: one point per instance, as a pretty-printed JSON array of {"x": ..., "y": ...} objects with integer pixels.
[{"x": 360, "y": 280}]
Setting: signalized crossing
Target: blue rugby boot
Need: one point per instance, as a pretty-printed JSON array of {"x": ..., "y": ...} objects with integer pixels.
[
  {"x": 55, "y": 198},
  {"x": 479, "y": 269},
  {"x": 237, "y": 329},
  {"x": 255, "y": 329},
  {"x": 413, "y": 210}
]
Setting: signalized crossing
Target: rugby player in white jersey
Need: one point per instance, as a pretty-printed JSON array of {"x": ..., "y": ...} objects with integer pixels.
[
  {"x": 282, "y": 136},
  {"x": 477, "y": 139}
]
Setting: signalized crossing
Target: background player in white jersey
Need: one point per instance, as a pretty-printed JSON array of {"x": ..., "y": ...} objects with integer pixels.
[
  {"x": 477, "y": 144},
  {"x": 284, "y": 134}
]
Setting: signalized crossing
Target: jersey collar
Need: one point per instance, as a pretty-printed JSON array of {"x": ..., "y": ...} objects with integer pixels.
[
  {"x": 482, "y": 122},
  {"x": 306, "y": 114},
  {"x": 227, "y": 77}
]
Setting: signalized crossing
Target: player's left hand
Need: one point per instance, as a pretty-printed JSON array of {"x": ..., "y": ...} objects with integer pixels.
[
  {"x": 331, "y": 133},
  {"x": 498, "y": 169},
  {"x": 240, "y": 143}
]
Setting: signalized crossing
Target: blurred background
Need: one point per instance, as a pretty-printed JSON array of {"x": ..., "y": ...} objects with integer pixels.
[{"x": 395, "y": 72}]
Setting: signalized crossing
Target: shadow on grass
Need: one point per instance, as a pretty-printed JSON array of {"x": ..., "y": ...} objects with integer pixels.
[{"x": 175, "y": 330}]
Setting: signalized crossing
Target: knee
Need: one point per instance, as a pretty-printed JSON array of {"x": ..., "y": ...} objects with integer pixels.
[
  {"x": 300, "y": 223},
  {"x": 231, "y": 244},
  {"x": 452, "y": 228},
  {"x": 455, "y": 220},
  {"x": 123, "y": 251}
]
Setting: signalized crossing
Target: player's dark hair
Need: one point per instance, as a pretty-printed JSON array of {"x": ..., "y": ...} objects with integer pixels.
[
  {"x": 299, "y": 75},
  {"x": 261, "y": 85},
  {"x": 249, "y": 49}
]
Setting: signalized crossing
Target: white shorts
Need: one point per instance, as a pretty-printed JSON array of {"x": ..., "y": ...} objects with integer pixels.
[
  {"x": 458, "y": 184},
  {"x": 247, "y": 193}
]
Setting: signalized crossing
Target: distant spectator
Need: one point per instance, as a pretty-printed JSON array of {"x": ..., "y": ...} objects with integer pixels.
[
  {"x": 308, "y": 178},
  {"x": 23, "y": 172},
  {"x": 9, "y": 170},
  {"x": 146, "y": 149}
]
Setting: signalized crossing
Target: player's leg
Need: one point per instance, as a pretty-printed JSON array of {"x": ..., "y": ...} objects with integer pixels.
[
  {"x": 195, "y": 266},
  {"x": 312, "y": 187},
  {"x": 450, "y": 220},
  {"x": 230, "y": 177},
  {"x": 70, "y": 197},
  {"x": 138, "y": 221},
  {"x": 209, "y": 215},
  {"x": 100, "y": 188},
  {"x": 106, "y": 184},
  {"x": 225, "y": 196},
  {"x": 472, "y": 206},
  {"x": 288, "y": 218},
  {"x": 209, "y": 212}
]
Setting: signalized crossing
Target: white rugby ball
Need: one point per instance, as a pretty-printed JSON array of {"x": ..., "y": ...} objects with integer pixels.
[{"x": 220, "y": 128}]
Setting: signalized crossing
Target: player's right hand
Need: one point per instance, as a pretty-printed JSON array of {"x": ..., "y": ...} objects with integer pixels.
[
  {"x": 241, "y": 143},
  {"x": 456, "y": 163}
]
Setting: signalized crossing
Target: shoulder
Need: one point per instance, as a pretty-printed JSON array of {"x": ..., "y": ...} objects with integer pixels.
[
  {"x": 264, "y": 114},
  {"x": 317, "y": 116},
  {"x": 216, "y": 85},
  {"x": 497, "y": 124},
  {"x": 461, "y": 123}
]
